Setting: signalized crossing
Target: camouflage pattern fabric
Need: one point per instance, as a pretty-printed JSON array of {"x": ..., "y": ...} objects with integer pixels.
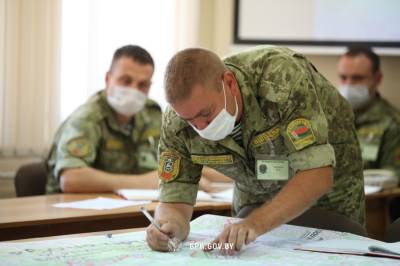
[
  {"x": 290, "y": 111},
  {"x": 91, "y": 136},
  {"x": 378, "y": 129}
]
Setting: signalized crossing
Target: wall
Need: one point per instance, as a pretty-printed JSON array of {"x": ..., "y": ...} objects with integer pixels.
[{"x": 216, "y": 33}]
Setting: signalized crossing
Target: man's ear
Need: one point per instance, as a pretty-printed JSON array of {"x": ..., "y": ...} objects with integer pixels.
[
  {"x": 230, "y": 79},
  {"x": 107, "y": 78},
  {"x": 378, "y": 77}
]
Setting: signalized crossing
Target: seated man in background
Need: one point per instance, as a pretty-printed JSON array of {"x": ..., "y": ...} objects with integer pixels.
[
  {"x": 377, "y": 121},
  {"x": 110, "y": 142}
]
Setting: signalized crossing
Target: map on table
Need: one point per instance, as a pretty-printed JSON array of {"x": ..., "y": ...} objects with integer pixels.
[{"x": 273, "y": 248}]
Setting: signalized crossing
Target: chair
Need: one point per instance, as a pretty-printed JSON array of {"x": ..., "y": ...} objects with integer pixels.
[
  {"x": 30, "y": 179},
  {"x": 393, "y": 232},
  {"x": 319, "y": 218}
]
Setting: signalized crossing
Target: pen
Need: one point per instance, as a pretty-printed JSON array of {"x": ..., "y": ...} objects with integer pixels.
[{"x": 172, "y": 245}]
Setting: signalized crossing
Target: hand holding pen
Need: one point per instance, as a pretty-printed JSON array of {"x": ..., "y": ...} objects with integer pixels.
[{"x": 164, "y": 233}]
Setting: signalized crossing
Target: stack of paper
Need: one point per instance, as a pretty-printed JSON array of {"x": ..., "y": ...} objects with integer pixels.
[
  {"x": 99, "y": 203},
  {"x": 153, "y": 194},
  {"x": 355, "y": 247}
]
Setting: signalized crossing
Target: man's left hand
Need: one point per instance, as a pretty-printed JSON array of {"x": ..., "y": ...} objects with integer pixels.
[{"x": 234, "y": 237}]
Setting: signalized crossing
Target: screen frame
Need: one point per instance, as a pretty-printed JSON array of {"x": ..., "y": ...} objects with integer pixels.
[{"x": 237, "y": 39}]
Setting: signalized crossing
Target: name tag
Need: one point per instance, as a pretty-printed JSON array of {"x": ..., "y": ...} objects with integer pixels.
[
  {"x": 114, "y": 144},
  {"x": 272, "y": 168},
  {"x": 369, "y": 151},
  {"x": 212, "y": 159}
]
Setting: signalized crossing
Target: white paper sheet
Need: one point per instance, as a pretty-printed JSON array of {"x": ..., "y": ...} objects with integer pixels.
[
  {"x": 99, "y": 203},
  {"x": 153, "y": 194},
  {"x": 371, "y": 189}
]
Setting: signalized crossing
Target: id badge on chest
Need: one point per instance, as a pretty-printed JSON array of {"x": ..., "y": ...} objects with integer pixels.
[
  {"x": 369, "y": 150},
  {"x": 272, "y": 167}
]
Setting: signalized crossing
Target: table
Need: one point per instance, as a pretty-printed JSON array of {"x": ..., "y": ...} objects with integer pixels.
[
  {"x": 29, "y": 217},
  {"x": 377, "y": 212}
]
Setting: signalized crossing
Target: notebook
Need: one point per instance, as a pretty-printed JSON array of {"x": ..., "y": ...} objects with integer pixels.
[{"x": 366, "y": 247}]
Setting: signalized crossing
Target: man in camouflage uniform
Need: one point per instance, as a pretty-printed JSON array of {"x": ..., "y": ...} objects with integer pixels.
[
  {"x": 377, "y": 121},
  {"x": 278, "y": 128},
  {"x": 110, "y": 141}
]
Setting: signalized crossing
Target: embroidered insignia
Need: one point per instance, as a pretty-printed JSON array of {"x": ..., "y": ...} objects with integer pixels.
[
  {"x": 300, "y": 133},
  {"x": 78, "y": 147},
  {"x": 168, "y": 168},
  {"x": 212, "y": 159},
  {"x": 262, "y": 138}
]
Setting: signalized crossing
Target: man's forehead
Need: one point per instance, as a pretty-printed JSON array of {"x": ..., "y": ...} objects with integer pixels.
[
  {"x": 125, "y": 64},
  {"x": 190, "y": 111},
  {"x": 355, "y": 64},
  {"x": 201, "y": 99}
]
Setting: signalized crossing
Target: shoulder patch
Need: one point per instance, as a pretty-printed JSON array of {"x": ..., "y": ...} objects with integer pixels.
[
  {"x": 300, "y": 133},
  {"x": 78, "y": 147},
  {"x": 262, "y": 138},
  {"x": 168, "y": 168},
  {"x": 212, "y": 159}
]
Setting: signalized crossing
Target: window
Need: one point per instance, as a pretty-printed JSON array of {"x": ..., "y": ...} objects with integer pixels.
[{"x": 93, "y": 29}]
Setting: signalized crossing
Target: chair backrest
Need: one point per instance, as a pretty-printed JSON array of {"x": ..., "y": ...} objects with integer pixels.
[
  {"x": 31, "y": 179},
  {"x": 393, "y": 232},
  {"x": 328, "y": 220},
  {"x": 318, "y": 218}
]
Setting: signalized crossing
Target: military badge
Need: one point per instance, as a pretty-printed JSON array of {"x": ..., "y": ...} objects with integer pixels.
[
  {"x": 168, "y": 168},
  {"x": 78, "y": 147},
  {"x": 300, "y": 133}
]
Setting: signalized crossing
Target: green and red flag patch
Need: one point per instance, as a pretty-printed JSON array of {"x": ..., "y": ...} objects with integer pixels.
[{"x": 300, "y": 133}]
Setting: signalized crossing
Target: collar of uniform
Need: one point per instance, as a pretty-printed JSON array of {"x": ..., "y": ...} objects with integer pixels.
[
  {"x": 111, "y": 117},
  {"x": 253, "y": 119},
  {"x": 372, "y": 114}
]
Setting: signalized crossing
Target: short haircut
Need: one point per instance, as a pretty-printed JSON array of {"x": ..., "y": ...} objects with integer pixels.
[
  {"x": 134, "y": 52},
  {"x": 189, "y": 68},
  {"x": 367, "y": 51}
]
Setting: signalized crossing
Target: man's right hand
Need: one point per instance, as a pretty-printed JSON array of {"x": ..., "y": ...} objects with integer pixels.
[{"x": 159, "y": 240}]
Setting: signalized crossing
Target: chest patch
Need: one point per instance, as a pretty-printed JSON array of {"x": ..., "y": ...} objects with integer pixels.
[
  {"x": 212, "y": 159},
  {"x": 264, "y": 137}
]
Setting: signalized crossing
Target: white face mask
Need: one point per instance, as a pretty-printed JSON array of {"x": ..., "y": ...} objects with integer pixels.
[
  {"x": 126, "y": 101},
  {"x": 356, "y": 95},
  {"x": 221, "y": 126}
]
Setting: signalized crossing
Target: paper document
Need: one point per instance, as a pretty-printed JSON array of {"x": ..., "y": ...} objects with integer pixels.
[
  {"x": 223, "y": 196},
  {"x": 99, "y": 203},
  {"x": 138, "y": 194},
  {"x": 371, "y": 189},
  {"x": 153, "y": 194},
  {"x": 355, "y": 247}
]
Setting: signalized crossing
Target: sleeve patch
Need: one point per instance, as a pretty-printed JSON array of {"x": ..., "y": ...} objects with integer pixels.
[
  {"x": 168, "y": 168},
  {"x": 300, "y": 133},
  {"x": 78, "y": 147}
]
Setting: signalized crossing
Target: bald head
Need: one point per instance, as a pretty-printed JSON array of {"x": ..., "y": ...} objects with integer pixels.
[{"x": 189, "y": 68}]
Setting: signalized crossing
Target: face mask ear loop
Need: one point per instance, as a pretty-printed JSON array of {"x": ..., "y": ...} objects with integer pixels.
[{"x": 223, "y": 88}]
